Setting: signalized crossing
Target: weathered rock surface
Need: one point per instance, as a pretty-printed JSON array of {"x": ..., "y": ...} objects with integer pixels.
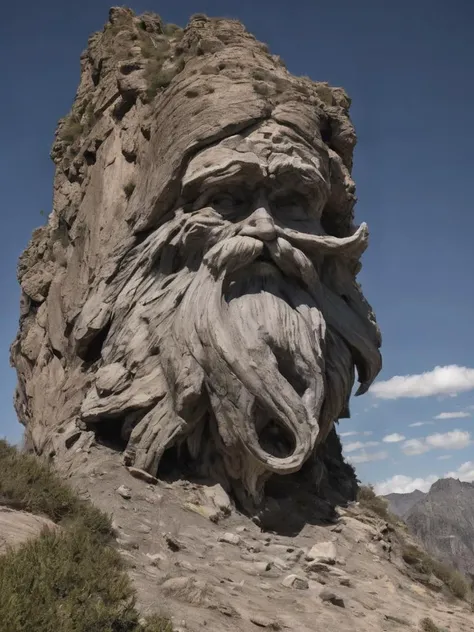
[
  {"x": 18, "y": 526},
  {"x": 192, "y": 300}
]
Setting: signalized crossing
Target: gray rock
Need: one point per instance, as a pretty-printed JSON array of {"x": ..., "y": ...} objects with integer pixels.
[
  {"x": 317, "y": 567},
  {"x": 264, "y": 622},
  {"x": 156, "y": 558},
  {"x": 332, "y": 597},
  {"x": 124, "y": 491},
  {"x": 294, "y": 581},
  {"x": 254, "y": 568},
  {"x": 142, "y": 475},
  {"x": 220, "y": 498},
  {"x": 230, "y": 538},
  {"x": 173, "y": 543},
  {"x": 322, "y": 552}
]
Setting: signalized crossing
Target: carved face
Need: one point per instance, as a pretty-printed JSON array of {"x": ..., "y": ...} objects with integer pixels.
[{"x": 250, "y": 312}]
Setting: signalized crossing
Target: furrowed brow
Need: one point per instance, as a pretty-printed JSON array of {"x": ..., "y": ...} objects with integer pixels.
[
  {"x": 303, "y": 180},
  {"x": 230, "y": 172}
]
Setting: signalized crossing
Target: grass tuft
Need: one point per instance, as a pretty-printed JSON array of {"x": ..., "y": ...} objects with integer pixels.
[
  {"x": 71, "y": 579},
  {"x": 423, "y": 563},
  {"x": 369, "y": 500},
  {"x": 427, "y": 625},
  {"x": 71, "y": 130}
]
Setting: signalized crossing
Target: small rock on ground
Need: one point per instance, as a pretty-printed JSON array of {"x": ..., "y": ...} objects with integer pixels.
[
  {"x": 230, "y": 538},
  {"x": 324, "y": 552},
  {"x": 294, "y": 581},
  {"x": 331, "y": 597},
  {"x": 142, "y": 475},
  {"x": 124, "y": 491}
]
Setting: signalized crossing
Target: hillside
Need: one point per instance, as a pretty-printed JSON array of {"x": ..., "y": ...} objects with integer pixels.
[
  {"x": 194, "y": 558},
  {"x": 443, "y": 519}
]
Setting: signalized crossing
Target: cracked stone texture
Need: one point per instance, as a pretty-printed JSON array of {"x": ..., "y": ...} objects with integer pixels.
[{"x": 193, "y": 296}]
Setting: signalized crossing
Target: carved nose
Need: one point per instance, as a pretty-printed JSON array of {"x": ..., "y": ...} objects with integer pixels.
[{"x": 260, "y": 225}]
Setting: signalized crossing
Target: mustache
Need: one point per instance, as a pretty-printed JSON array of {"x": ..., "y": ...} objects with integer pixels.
[
  {"x": 237, "y": 252},
  {"x": 202, "y": 227},
  {"x": 290, "y": 251}
]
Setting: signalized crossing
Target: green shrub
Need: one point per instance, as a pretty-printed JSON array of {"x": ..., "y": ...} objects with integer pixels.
[
  {"x": 29, "y": 484},
  {"x": 71, "y": 130},
  {"x": 157, "y": 78},
  {"x": 369, "y": 499},
  {"x": 172, "y": 29},
  {"x": 67, "y": 580},
  {"x": 457, "y": 584}
]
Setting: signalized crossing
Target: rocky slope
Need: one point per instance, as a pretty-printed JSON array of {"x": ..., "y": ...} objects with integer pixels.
[
  {"x": 443, "y": 519},
  {"x": 198, "y": 559}
]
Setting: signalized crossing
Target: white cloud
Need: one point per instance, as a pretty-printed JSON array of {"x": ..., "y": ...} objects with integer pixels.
[
  {"x": 454, "y": 440},
  {"x": 358, "y": 445},
  {"x": 393, "y": 438},
  {"x": 351, "y": 447},
  {"x": 454, "y": 415},
  {"x": 442, "y": 380},
  {"x": 443, "y": 457},
  {"x": 417, "y": 424},
  {"x": 413, "y": 447},
  {"x": 367, "y": 433},
  {"x": 348, "y": 434},
  {"x": 401, "y": 484},
  {"x": 366, "y": 457},
  {"x": 465, "y": 472}
]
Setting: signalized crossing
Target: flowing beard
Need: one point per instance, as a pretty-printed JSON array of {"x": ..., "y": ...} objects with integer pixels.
[
  {"x": 256, "y": 356},
  {"x": 259, "y": 340}
]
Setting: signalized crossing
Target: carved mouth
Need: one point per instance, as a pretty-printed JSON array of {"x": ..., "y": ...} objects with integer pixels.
[{"x": 277, "y": 440}]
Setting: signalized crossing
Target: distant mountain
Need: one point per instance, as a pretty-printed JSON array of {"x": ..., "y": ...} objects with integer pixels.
[
  {"x": 443, "y": 519},
  {"x": 400, "y": 504}
]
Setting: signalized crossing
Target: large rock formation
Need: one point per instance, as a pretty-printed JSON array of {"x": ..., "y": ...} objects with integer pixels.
[{"x": 193, "y": 296}]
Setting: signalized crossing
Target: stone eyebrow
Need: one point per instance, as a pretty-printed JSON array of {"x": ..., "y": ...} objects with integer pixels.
[
  {"x": 304, "y": 180},
  {"x": 225, "y": 172}
]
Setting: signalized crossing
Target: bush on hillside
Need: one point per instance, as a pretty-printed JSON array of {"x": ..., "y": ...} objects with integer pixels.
[
  {"x": 68, "y": 580},
  {"x": 423, "y": 563},
  {"x": 369, "y": 499}
]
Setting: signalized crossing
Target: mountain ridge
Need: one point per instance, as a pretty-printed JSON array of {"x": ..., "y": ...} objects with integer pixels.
[{"x": 442, "y": 518}]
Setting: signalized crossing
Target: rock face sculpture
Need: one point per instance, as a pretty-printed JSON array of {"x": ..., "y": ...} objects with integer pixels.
[{"x": 194, "y": 291}]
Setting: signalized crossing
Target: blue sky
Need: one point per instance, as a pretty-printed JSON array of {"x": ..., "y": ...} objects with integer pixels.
[{"x": 408, "y": 68}]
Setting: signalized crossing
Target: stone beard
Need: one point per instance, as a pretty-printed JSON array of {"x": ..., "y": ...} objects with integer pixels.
[{"x": 243, "y": 315}]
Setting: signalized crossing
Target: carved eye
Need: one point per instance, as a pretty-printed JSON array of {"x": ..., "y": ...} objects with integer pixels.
[
  {"x": 293, "y": 206},
  {"x": 227, "y": 201}
]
